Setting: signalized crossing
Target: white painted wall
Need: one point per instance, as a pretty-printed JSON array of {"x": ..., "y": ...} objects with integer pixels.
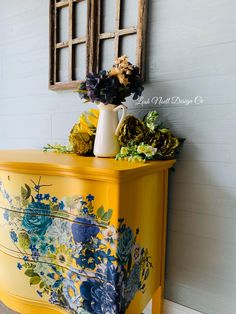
[{"x": 191, "y": 52}]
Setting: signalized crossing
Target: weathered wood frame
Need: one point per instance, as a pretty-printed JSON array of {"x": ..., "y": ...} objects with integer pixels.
[
  {"x": 55, "y": 47},
  {"x": 93, "y": 38},
  {"x": 139, "y": 30}
]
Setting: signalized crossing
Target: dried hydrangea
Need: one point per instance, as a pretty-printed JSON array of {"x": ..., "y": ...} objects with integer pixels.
[
  {"x": 112, "y": 86},
  {"x": 122, "y": 69}
]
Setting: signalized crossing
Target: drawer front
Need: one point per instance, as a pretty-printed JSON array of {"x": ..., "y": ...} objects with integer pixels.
[{"x": 65, "y": 243}]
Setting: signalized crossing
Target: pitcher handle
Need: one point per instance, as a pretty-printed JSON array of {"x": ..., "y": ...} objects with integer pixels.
[{"x": 124, "y": 113}]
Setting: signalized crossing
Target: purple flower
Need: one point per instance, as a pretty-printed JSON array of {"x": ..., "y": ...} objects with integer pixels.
[
  {"x": 102, "y": 87},
  {"x": 37, "y": 187}
]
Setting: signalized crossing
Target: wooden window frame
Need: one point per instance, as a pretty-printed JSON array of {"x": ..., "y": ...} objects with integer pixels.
[
  {"x": 92, "y": 39},
  {"x": 54, "y": 46},
  {"x": 139, "y": 30}
]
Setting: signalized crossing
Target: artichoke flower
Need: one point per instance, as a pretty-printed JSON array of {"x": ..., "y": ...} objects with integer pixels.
[
  {"x": 146, "y": 133},
  {"x": 166, "y": 144},
  {"x": 81, "y": 143},
  {"x": 82, "y": 135},
  {"x": 132, "y": 129}
]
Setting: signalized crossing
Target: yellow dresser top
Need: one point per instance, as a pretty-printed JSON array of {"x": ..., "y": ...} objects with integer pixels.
[{"x": 102, "y": 169}]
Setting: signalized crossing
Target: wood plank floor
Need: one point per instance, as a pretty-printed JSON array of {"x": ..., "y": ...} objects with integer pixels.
[{"x": 5, "y": 310}]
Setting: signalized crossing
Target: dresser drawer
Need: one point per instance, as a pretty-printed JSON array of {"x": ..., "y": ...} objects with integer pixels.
[
  {"x": 81, "y": 234},
  {"x": 83, "y": 245}
]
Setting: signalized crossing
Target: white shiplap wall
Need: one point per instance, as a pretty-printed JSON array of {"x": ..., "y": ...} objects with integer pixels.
[{"x": 191, "y": 52}]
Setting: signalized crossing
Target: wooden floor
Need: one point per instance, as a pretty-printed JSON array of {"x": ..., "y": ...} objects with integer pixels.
[
  {"x": 5, "y": 310},
  {"x": 170, "y": 308}
]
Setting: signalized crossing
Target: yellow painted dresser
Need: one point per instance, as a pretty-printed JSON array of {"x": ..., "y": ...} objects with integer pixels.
[{"x": 81, "y": 234}]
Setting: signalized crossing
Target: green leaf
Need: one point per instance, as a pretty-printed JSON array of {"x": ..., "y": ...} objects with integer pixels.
[
  {"x": 100, "y": 212},
  {"x": 107, "y": 215},
  {"x": 35, "y": 280},
  {"x": 55, "y": 207},
  {"x": 23, "y": 193},
  {"x": 129, "y": 263},
  {"x": 30, "y": 273},
  {"x": 28, "y": 191},
  {"x": 24, "y": 240},
  {"x": 150, "y": 119},
  {"x": 25, "y": 203},
  {"x": 58, "y": 148},
  {"x": 41, "y": 285}
]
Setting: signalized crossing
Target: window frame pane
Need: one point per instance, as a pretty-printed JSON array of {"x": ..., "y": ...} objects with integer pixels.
[{"x": 93, "y": 38}]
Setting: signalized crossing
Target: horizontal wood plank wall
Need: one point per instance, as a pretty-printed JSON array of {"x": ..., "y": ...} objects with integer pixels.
[{"x": 191, "y": 47}]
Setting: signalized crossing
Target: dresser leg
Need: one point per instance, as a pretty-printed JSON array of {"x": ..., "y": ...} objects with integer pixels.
[{"x": 157, "y": 302}]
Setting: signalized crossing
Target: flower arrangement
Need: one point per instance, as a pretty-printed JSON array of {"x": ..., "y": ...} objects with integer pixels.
[
  {"x": 112, "y": 86},
  {"x": 72, "y": 254},
  {"x": 146, "y": 140},
  {"x": 140, "y": 152},
  {"x": 81, "y": 137},
  {"x": 139, "y": 140}
]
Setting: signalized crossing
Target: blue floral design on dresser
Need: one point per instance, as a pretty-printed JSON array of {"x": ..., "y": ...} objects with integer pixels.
[
  {"x": 72, "y": 254},
  {"x": 37, "y": 218}
]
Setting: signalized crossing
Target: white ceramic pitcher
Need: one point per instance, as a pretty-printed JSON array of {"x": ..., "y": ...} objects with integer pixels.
[{"x": 106, "y": 143}]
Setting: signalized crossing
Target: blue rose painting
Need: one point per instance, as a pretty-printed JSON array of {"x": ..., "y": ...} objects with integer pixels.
[
  {"x": 73, "y": 255},
  {"x": 36, "y": 219}
]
